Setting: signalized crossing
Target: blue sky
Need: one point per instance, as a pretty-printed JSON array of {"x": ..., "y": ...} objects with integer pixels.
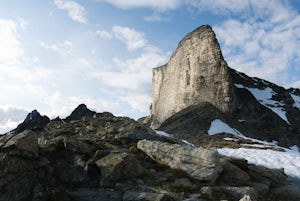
[{"x": 56, "y": 54}]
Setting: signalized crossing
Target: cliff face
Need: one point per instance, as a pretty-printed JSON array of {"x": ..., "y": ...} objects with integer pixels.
[{"x": 195, "y": 73}]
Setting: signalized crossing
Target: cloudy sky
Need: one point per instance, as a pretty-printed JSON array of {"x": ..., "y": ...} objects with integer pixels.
[{"x": 56, "y": 54}]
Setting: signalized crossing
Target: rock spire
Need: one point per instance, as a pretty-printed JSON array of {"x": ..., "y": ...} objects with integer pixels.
[{"x": 195, "y": 73}]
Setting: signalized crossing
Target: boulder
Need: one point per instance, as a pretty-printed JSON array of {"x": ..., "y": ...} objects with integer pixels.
[
  {"x": 27, "y": 142},
  {"x": 232, "y": 173},
  {"x": 198, "y": 163},
  {"x": 118, "y": 166},
  {"x": 146, "y": 196}
]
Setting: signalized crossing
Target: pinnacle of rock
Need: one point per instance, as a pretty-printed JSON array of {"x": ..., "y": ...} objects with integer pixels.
[{"x": 195, "y": 73}]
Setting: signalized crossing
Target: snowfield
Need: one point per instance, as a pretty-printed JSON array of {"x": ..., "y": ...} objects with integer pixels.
[
  {"x": 296, "y": 100},
  {"x": 218, "y": 126},
  {"x": 264, "y": 97},
  {"x": 289, "y": 159}
]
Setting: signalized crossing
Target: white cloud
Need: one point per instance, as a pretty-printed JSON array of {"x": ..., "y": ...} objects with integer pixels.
[
  {"x": 132, "y": 38},
  {"x": 24, "y": 24},
  {"x": 220, "y": 6},
  {"x": 295, "y": 84},
  {"x": 156, "y": 17},
  {"x": 160, "y": 5},
  {"x": 104, "y": 34},
  {"x": 64, "y": 48},
  {"x": 10, "y": 117},
  {"x": 10, "y": 47},
  {"x": 75, "y": 11},
  {"x": 263, "y": 45},
  {"x": 140, "y": 102}
]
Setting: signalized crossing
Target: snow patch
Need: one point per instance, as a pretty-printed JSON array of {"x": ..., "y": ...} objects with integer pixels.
[
  {"x": 239, "y": 86},
  {"x": 294, "y": 148},
  {"x": 265, "y": 98},
  {"x": 162, "y": 133},
  {"x": 296, "y": 100},
  {"x": 218, "y": 126},
  {"x": 289, "y": 159},
  {"x": 188, "y": 143},
  {"x": 230, "y": 139}
]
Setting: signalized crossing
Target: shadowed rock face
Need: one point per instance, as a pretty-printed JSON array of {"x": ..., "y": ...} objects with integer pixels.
[
  {"x": 195, "y": 73},
  {"x": 79, "y": 112}
]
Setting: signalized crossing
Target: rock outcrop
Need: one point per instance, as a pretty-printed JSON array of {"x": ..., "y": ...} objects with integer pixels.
[
  {"x": 33, "y": 120},
  {"x": 195, "y": 73},
  {"x": 79, "y": 112}
]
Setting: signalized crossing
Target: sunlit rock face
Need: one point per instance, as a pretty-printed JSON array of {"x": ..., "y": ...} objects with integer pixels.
[{"x": 195, "y": 73}]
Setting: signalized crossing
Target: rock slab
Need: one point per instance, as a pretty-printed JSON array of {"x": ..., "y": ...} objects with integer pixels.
[{"x": 198, "y": 163}]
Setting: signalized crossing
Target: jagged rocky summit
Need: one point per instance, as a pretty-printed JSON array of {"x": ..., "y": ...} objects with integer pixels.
[
  {"x": 102, "y": 157},
  {"x": 197, "y": 87}
]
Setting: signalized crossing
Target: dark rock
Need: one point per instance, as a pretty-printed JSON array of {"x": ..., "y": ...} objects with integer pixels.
[
  {"x": 32, "y": 121},
  {"x": 235, "y": 193},
  {"x": 86, "y": 194},
  {"x": 25, "y": 142},
  {"x": 232, "y": 173},
  {"x": 118, "y": 166},
  {"x": 288, "y": 192},
  {"x": 79, "y": 112},
  {"x": 272, "y": 177},
  {"x": 144, "y": 196}
]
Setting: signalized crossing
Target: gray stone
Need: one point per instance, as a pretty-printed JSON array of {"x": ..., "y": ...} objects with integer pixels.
[
  {"x": 118, "y": 166},
  {"x": 26, "y": 141},
  {"x": 246, "y": 198},
  {"x": 145, "y": 196},
  {"x": 198, "y": 163},
  {"x": 195, "y": 73}
]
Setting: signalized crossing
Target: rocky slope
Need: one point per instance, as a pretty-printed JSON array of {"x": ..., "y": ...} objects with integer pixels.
[
  {"x": 197, "y": 87},
  {"x": 107, "y": 158}
]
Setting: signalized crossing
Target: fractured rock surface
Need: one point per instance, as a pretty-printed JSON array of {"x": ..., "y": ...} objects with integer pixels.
[{"x": 198, "y": 163}]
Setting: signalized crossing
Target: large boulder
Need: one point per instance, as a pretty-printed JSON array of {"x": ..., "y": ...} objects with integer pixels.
[
  {"x": 198, "y": 163},
  {"x": 118, "y": 166},
  {"x": 26, "y": 142}
]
